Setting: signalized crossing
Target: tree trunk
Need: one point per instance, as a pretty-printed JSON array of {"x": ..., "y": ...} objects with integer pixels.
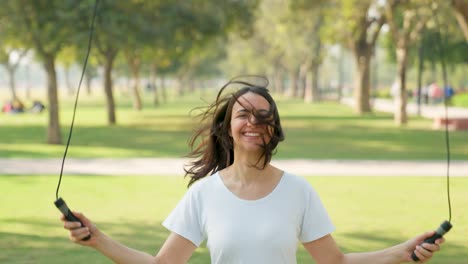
[
  {"x": 28, "y": 82},
  {"x": 420, "y": 77},
  {"x": 11, "y": 80},
  {"x": 362, "y": 57},
  {"x": 191, "y": 84},
  {"x": 163, "y": 89},
  {"x": 312, "y": 92},
  {"x": 316, "y": 61},
  {"x": 400, "y": 116},
  {"x": 340, "y": 74},
  {"x": 277, "y": 81},
  {"x": 315, "y": 82},
  {"x": 88, "y": 79},
  {"x": 308, "y": 97},
  {"x": 302, "y": 83},
  {"x": 53, "y": 129},
  {"x": 180, "y": 85},
  {"x": 108, "y": 64},
  {"x": 67, "y": 81},
  {"x": 291, "y": 91},
  {"x": 135, "y": 68},
  {"x": 154, "y": 86}
]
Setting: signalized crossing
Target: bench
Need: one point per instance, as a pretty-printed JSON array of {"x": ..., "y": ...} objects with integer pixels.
[{"x": 453, "y": 123}]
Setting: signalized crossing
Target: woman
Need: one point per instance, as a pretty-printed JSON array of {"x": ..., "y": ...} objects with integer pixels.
[{"x": 248, "y": 210}]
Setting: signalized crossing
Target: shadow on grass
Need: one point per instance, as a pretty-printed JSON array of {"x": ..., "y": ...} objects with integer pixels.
[
  {"x": 135, "y": 140},
  {"x": 47, "y": 242},
  {"x": 370, "y": 241},
  {"x": 453, "y": 254}
]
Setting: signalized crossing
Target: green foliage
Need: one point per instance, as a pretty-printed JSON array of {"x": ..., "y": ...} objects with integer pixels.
[
  {"x": 42, "y": 25},
  {"x": 285, "y": 36}
]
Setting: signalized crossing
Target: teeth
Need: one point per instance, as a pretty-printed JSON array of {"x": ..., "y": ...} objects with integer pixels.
[{"x": 250, "y": 134}]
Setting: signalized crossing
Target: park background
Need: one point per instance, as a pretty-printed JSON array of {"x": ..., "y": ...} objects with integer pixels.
[{"x": 151, "y": 62}]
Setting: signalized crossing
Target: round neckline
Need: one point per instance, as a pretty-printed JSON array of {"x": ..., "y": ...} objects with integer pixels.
[{"x": 261, "y": 199}]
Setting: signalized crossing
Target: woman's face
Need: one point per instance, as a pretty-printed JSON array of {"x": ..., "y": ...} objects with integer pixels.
[{"x": 247, "y": 134}]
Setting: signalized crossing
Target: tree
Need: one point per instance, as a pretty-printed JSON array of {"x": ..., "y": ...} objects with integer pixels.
[
  {"x": 406, "y": 20},
  {"x": 43, "y": 25},
  {"x": 12, "y": 52},
  {"x": 311, "y": 17},
  {"x": 363, "y": 21},
  {"x": 286, "y": 44},
  {"x": 10, "y": 59},
  {"x": 67, "y": 57}
]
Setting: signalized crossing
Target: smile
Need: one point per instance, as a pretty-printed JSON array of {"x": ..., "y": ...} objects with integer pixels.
[{"x": 251, "y": 134}]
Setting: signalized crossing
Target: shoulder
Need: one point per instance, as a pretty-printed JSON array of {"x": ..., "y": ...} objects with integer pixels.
[
  {"x": 205, "y": 184},
  {"x": 297, "y": 185},
  {"x": 296, "y": 181}
]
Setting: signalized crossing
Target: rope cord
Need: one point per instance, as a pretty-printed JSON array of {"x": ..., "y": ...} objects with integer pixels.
[
  {"x": 91, "y": 30},
  {"x": 440, "y": 48}
]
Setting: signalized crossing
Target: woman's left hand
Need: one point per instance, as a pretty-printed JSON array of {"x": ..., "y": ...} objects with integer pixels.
[{"x": 423, "y": 251}]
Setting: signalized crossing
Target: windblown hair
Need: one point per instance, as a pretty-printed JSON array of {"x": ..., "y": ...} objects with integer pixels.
[{"x": 212, "y": 147}]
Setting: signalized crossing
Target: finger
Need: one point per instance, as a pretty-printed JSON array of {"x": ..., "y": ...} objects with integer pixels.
[
  {"x": 82, "y": 218},
  {"x": 440, "y": 241},
  {"x": 78, "y": 234},
  {"x": 422, "y": 253},
  {"x": 427, "y": 234},
  {"x": 431, "y": 247},
  {"x": 71, "y": 225}
]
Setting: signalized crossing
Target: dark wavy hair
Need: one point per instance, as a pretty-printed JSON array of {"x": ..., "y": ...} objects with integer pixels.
[{"x": 212, "y": 146}]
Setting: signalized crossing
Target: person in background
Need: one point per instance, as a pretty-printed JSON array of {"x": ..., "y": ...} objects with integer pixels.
[
  {"x": 17, "y": 107},
  {"x": 435, "y": 93},
  {"x": 7, "y": 107},
  {"x": 449, "y": 92},
  {"x": 37, "y": 107}
]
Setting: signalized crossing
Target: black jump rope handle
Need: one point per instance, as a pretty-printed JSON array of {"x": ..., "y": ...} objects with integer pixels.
[
  {"x": 443, "y": 228},
  {"x": 62, "y": 206}
]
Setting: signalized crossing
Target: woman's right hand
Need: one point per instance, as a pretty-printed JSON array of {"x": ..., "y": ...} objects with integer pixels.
[{"x": 77, "y": 233}]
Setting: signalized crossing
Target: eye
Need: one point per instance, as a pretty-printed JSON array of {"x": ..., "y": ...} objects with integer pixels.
[
  {"x": 243, "y": 114},
  {"x": 265, "y": 115}
]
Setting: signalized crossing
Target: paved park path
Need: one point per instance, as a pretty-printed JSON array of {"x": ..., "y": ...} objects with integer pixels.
[
  {"x": 170, "y": 166},
  {"x": 427, "y": 111}
]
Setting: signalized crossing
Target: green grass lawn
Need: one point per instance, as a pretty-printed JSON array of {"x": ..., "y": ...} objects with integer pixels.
[
  {"x": 460, "y": 100},
  {"x": 313, "y": 131},
  {"x": 370, "y": 213}
]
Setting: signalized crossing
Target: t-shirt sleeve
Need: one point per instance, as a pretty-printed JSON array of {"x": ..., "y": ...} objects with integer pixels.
[
  {"x": 315, "y": 222},
  {"x": 184, "y": 220}
]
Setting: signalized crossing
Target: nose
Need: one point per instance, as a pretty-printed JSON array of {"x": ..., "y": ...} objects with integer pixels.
[{"x": 253, "y": 120}]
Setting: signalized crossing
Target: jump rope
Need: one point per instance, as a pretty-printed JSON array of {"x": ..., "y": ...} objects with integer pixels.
[
  {"x": 446, "y": 225},
  {"x": 59, "y": 202},
  {"x": 443, "y": 228}
]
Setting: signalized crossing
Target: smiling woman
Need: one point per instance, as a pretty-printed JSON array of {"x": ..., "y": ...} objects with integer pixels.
[
  {"x": 246, "y": 209},
  {"x": 245, "y": 119}
]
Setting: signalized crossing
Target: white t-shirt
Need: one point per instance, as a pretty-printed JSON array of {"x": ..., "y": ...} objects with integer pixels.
[{"x": 260, "y": 231}]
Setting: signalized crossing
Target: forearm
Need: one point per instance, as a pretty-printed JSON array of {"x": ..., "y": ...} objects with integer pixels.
[
  {"x": 120, "y": 253},
  {"x": 392, "y": 255}
]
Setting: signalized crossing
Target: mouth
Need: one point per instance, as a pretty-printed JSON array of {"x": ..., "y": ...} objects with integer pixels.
[{"x": 251, "y": 134}]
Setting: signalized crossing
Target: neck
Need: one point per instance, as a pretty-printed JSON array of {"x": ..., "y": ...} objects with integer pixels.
[{"x": 248, "y": 172}]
